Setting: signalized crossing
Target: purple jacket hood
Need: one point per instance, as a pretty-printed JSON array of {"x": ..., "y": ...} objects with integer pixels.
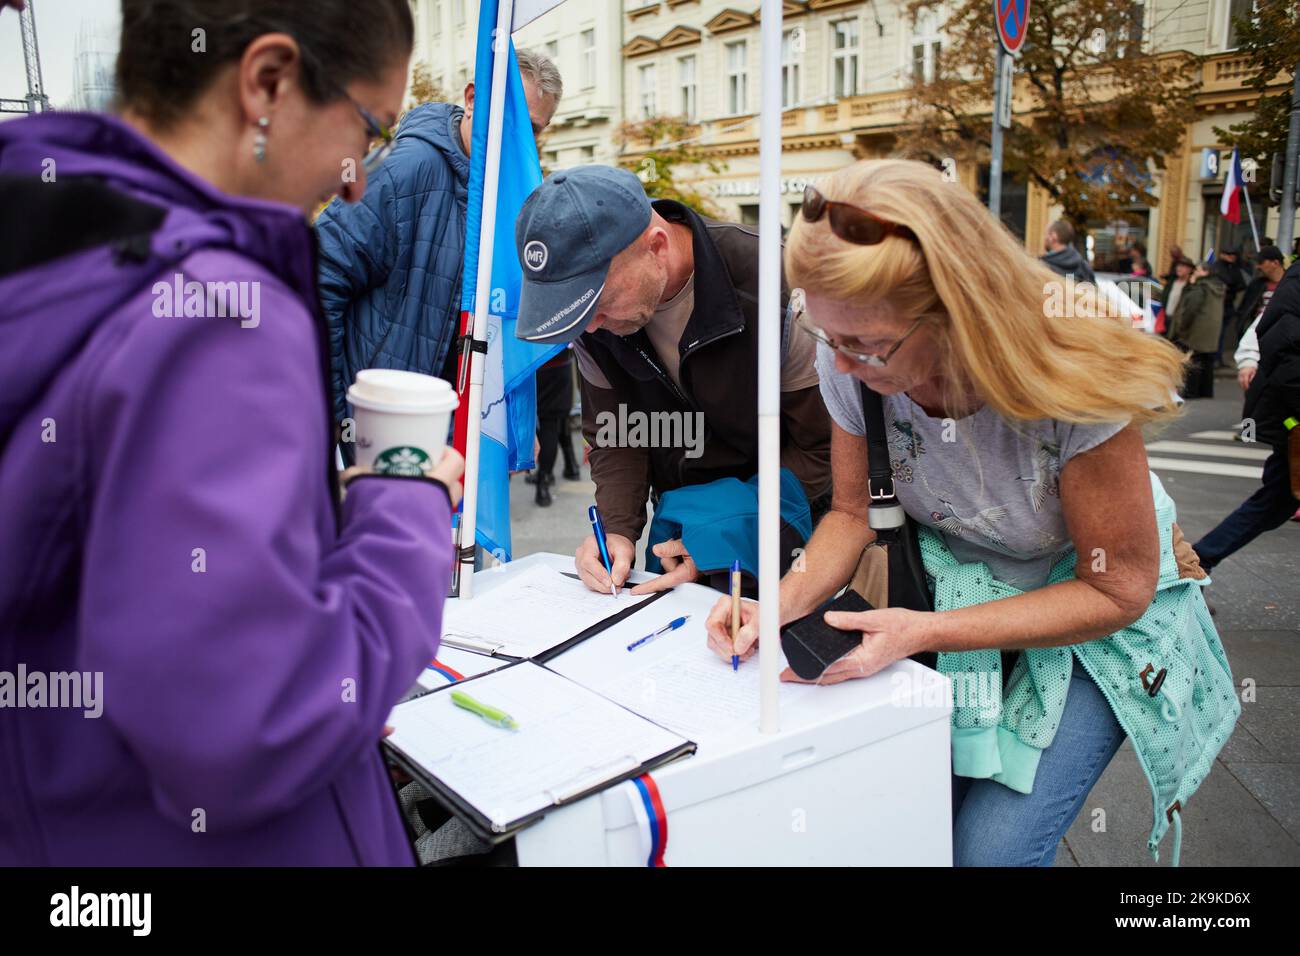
[
  {"x": 75, "y": 146},
  {"x": 198, "y": 647}
]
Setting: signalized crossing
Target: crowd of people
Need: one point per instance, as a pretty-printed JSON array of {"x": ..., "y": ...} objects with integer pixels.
[
  {"x": 1206, "y": 309},
  {"x": 256, "y": 611}
]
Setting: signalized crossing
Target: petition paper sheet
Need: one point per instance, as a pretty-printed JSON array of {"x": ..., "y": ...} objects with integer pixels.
[
  {"x": 531, "y": 613},
  {"x": 569, "y": 740},
  {"x": 698, "y": 695}
]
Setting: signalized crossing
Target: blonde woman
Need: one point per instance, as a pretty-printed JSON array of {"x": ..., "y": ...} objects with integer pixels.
[{"x": 1013, "y": 414}]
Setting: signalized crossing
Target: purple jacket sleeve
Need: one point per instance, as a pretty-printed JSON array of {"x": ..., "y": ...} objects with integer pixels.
[{"x": 249, "y": 651}]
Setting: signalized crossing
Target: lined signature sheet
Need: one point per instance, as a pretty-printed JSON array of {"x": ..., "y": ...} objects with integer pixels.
[
  {"x": 696, "y": 694},
  {"x": 530, "y": 613},
  {"x": 569, "y": 740}
]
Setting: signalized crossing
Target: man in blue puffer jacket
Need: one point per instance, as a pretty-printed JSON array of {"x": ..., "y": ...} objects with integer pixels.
[{"x": 390, "y": 265}]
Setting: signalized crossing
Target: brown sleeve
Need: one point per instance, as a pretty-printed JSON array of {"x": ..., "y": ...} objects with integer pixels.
[
  {"x": 1189, "y": 562},
  {"x": 622, "y": 475},
  {"x": 806, "y": 439}
]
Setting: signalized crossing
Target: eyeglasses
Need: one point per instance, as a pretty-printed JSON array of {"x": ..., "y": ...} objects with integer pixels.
[
  {"x": 850, "y": 223},
  {"x": 374, "y": 130},
  {"x": 865, "y": 358}
]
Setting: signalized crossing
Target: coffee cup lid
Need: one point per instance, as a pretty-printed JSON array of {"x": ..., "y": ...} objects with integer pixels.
[{"x": 385, "y": 389}]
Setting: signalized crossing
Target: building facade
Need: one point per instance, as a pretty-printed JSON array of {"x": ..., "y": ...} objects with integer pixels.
[
  {"x": 583, "y": 37},
  {"x": 847, "y": 72},
  {"x": 847, "y": 69},
  {"x": 94, "y": 62}
]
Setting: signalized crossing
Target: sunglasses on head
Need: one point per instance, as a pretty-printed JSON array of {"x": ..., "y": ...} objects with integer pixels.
[{"x": 848, "y": 222}]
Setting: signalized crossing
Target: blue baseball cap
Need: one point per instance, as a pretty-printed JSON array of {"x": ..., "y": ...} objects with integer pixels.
[{"x": 569, "y": 229}]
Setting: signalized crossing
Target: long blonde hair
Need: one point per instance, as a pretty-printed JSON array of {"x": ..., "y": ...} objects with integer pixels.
[{"x": 990, "y": 300}]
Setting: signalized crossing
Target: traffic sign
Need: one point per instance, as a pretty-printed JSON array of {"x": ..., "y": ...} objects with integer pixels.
[{"x": 1012, "y": 20}]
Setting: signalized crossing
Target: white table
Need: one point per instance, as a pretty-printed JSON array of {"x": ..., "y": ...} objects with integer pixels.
[{"x": 859, "y": 773}]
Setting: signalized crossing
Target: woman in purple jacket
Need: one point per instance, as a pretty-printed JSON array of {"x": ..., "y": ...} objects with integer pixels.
[{"x": 198, "y": 646}]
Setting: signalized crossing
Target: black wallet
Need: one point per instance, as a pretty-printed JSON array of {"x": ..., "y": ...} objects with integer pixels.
[{"x": 811, "y": 645}]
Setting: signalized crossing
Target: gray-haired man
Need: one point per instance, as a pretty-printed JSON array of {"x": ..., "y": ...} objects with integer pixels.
[{"x": 390, "y": 265}]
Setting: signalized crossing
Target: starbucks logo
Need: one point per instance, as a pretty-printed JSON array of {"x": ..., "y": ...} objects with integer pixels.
[{"x": 405, "y": 461}]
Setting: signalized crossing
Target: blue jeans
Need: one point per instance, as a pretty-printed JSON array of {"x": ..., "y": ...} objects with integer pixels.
[
  {"x": 1268, "y": 508},
  {"x": 995, "y": 826}
]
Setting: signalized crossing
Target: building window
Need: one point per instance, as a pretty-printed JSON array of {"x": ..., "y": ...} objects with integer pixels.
[
  {"x": 737, "y": 78},
  {"x": 646, "y": 83},
  {"x": 552, "y": 49},
  {"x": 1132, "y": 45},
  {"x": 925, "y": 47},
  {"x": 458, "y": 11},
  {"x": 789, "y": 68},
  {"x": 1237, "y": 10},
  {"x": 844, "y": 50},
  {"x": 686, "y": 87},
  {"x": 588, "y": 153},
  {"x": 588, "y": 59},
  {"x": 749, "y": 214}
]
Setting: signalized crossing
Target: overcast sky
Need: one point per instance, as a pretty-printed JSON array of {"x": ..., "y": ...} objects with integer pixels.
[{"x": 57, "y": 25}]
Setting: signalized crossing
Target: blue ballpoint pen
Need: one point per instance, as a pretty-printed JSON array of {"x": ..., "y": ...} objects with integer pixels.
[
  {"x": 670, "y": 626},
  {"x": 598, "y": 528},
  {"x": 735, "y": 610}
]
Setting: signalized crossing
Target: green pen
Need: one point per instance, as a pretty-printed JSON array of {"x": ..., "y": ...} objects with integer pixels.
[{"x": 491, "y": 714}]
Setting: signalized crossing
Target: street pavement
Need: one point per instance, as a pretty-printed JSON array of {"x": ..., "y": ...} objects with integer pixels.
[{"x": 1247, "y": 812}]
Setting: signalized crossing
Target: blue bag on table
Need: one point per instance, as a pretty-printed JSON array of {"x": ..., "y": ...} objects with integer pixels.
[{"x": 718, "y": 524}]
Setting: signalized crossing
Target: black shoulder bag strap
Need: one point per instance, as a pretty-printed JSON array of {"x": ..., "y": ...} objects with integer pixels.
[{"x": 907, "y": 584}]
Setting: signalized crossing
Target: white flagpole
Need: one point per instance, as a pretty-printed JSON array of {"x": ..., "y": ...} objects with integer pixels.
[
  {"x": 769, "y": 367},
  {"x": 482, "y": 295}
]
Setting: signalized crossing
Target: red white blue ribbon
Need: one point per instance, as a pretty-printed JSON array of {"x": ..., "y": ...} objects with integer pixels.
[
  {"x": 652, "y": 820},
  {"x": 452, "y": 676}
]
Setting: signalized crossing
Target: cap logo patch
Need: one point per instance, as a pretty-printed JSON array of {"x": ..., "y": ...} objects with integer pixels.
[{"x": 535, "y": 255}]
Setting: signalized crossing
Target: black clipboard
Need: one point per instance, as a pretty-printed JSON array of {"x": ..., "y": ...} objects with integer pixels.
[
  {"x": 479, "y": 823},
  {"x": 601, "y": 625},
  {"x": 552, "y": 653}
]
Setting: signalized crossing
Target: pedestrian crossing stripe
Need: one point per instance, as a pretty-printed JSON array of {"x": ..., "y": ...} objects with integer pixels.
[
  {"x": 1205, "y": 467},
  {"x": 1212, "y": 444},
  {"x": 1213, "y": 451}
]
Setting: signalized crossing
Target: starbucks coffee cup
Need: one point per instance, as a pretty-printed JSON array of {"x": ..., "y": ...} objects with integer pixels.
[{"x": 402, "y": 420}]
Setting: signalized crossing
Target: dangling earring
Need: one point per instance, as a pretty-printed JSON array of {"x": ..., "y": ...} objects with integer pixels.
[{"x": 259, "y": 139}]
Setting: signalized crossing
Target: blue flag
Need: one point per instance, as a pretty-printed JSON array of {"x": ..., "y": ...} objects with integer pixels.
[{"x": 509, "y": 416}]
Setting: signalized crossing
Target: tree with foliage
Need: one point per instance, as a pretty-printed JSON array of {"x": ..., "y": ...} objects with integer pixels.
[
  {"x": 1105, "y": 111},
  {"x": 660, "y": 147},
  {"x": 423, "y": 88},
  {"x": 1271, "y": 39}
]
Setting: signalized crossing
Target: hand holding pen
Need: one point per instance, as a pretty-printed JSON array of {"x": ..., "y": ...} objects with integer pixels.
[
  {"x": 590, "y": 560},
  {"x": 718, "y": 626}
]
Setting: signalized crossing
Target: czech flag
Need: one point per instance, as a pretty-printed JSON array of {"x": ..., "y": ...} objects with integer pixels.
[{"x": 1230, "y": 206}]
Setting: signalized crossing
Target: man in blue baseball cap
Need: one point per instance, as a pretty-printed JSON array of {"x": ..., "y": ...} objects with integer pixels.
[{"x": 661, "y": 305}]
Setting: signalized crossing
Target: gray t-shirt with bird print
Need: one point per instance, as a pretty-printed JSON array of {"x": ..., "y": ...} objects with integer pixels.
[{"x": 991, "y": 487}]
